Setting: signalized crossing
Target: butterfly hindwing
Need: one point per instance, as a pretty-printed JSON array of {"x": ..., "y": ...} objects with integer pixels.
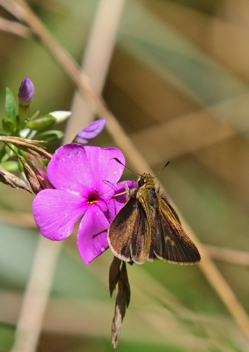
[
  {"x": 127, "y": 232},
  {"x": 169, "y": 240}
]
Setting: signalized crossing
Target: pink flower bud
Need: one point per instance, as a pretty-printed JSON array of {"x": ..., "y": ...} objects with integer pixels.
[{"x": 26, "y": 92}]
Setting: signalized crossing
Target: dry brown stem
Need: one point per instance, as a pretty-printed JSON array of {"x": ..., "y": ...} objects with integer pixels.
[
  {"x": 15, "y": 28},
  {"x": 11, "y": 180},
  {"x": 228, "y": 255},
  {"x": 28, "y": 145}
]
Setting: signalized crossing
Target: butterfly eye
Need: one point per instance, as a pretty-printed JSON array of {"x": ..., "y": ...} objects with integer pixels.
[{"x": 141, "y": 182}]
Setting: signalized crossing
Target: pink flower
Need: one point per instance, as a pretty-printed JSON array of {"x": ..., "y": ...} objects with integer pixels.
[{"x": 80, "y": 176}]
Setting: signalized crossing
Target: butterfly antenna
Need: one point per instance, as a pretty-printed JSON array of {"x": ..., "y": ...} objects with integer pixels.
[
  {"x": 162, "y": 168},
  {"x": 126, "y": 166}
]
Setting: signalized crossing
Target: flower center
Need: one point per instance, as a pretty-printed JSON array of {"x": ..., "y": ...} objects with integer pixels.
[{"x": 92, "y": 198}]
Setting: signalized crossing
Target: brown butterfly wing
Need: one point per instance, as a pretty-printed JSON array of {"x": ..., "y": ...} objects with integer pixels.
[
  {"x": 169, "y": 241},
  {"x": 126, "y": 233}
]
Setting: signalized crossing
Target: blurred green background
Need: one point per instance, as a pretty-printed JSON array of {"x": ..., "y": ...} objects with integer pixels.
[{"x": 178, "y": 84}]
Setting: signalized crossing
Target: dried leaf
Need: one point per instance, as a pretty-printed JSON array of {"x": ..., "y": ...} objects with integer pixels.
[
  {"x": 31, "y": 176},
  {"x": 124, "y": 285},
  {"x": 114, "y": 273},
  {"x": 116, "y": 326},
  {"x": 45, "y": 184},
  {"x": 13, "y": 181},
  {"x": 122, "y": 302},
  {"x": 29, "y": 173},
  {"x": 28, "y": 145}
]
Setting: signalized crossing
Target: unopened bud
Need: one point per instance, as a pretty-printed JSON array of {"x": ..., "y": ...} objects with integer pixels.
[
  {"x": 25, "y": 96},
  {"x": 60, "y": 116},
  {"x": 26, "y": 92},
  {"x": 41, "y": 123},
  {"x": 49, "y": 137},
  {"x": 90, "y": 132}
]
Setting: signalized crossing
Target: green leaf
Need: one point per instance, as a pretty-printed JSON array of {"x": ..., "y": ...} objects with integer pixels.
[{"x": 10, "y": 105}]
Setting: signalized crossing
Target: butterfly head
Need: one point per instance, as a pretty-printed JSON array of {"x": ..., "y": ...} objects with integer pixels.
[{"x": 146, "y": 180}]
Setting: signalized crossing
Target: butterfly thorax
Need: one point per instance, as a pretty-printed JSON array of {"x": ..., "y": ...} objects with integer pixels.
[{"x": 146, "y": 195}]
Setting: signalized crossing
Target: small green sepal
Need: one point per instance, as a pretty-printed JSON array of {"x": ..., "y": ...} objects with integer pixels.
[
  {"x": 8, "y": 124},
  {"x": 36, "y": 114}
]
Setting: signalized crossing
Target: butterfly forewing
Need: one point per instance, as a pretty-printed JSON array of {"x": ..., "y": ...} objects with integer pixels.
[{"x": 140, "y": 243}]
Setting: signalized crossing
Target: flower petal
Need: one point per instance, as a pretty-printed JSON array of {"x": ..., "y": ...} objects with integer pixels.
[
  {"x": 70, "y": 169},
  {"x": 57, "y": 211},
  {"x": 90, "y": 243},
  {"x": 83, "y": 169},
  {"x": 104, "y": 167},
  {"x": 114, "y": 204}
]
